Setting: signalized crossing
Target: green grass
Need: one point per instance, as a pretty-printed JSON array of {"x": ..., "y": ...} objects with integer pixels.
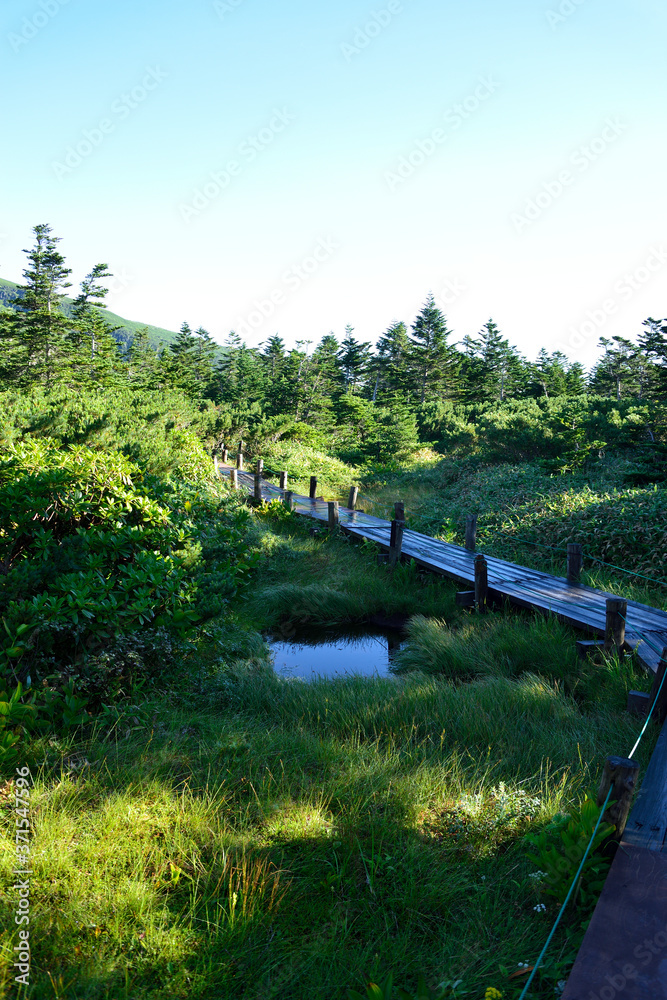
[{"x": 267, "y": 838}]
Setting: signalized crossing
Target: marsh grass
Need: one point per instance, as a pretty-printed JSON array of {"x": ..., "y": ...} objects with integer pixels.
[{"x": 268, "y": 838}]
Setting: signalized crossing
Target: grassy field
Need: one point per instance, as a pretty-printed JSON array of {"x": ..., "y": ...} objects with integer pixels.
[{"x": 248, "y": 836}]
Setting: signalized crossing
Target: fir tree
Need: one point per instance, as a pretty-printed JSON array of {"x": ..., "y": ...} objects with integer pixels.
[
  {"x": 433, "y": 363},
  {"x": 36, "y": 333}
]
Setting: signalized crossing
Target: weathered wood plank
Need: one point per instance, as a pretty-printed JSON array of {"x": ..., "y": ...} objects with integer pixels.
[
  {"x": 624, "y": 952},
  {"x": 647, "y": 822}
]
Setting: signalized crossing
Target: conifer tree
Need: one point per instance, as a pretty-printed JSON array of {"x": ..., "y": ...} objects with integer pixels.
[
  {"x": 433, "y": 362},
  {"x": 36, "y": 333},
  {"x": 354, "y": 359},
  {"x": 96, "y": 356},
  {"x": 390, "y": 362}
]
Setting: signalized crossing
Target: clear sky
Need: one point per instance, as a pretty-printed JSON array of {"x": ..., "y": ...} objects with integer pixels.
[{"x": 294, "y": 167}]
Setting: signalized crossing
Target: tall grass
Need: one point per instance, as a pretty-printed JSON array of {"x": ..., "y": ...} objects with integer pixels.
[{"x": 268, "y": 838}]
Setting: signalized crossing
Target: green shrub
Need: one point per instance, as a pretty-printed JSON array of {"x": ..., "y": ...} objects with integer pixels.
[{"x": 102, "y": 567}]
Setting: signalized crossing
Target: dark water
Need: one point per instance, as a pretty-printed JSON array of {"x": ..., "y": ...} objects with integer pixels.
[{"x": 363, "y": 650}]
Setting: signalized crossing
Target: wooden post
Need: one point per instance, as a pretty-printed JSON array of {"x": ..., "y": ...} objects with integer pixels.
[
  {"x": 481, "y": 583},
  {"x": 215, "y": 463},
  {"x": 283, "y": 480},
  {"x": 239, "y": 461},
  {"x": 399, "y": 511},
  {"x": 620, "y": 773},
  {"x": 313, "y": 487},
  {"x": 471, "y": 532},
  {"x": 224, "y": 456},
  {"x": 289, "y": 499},
  {"x": 575, "y": 559},
  {"x": 241, "y": 445},
  {"x": 614, "y": 635},
  {"x": 660, "y": 710},
  {"x": 258, "y": 488},
  {"x": 234, "y": 479},
  {"x": 396, "y": 541},
  {"x": 352, "y": 498},
  {"x": 332, "y": 507},
  {"x": 259, "y": 469}
]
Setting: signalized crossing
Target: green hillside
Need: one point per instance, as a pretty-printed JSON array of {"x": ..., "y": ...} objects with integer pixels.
[{"x": 127, "y": 327}]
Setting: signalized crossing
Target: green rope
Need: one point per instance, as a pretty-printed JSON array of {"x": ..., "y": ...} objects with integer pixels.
[
  {"x": 596, "y": 559},
  {"x": 567, "y": 899}
]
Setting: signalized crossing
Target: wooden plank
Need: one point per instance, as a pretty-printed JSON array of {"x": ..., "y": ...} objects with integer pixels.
[
  {"x": 624, "y": 951},
  {"x": 647, "y": 822}
]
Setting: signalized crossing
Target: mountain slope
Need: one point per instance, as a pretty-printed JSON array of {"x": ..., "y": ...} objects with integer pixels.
[{"x": 128, "y": 327}]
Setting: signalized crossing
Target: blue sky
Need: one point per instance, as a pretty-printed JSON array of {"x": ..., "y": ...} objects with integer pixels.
[{"x": 291, "y": 168}]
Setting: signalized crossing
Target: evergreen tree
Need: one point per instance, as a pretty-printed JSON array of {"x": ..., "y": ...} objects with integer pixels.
[
  {"x": 389, "y": 365},
  {"x": 36, "y": 333},
  {"x": 325, "y": 377},
  {"x": 354, "y": 359},
  {"x": 623, "y": 370},
  {"x": 145, "y": 369},
  {"x": 433, "y": 363},
  {"x": 96, "y": 356},
  {"x": 191, "y": 362},
  {"x": 492, "y": 369}
]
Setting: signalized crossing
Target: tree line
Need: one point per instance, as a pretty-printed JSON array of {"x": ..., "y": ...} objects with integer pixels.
[{"x": 48, "y": 343}]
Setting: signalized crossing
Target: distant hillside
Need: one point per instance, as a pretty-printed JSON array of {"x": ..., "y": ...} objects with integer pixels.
[{"x": 128, "y": 327}]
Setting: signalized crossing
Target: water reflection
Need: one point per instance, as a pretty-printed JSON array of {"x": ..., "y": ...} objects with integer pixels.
[{"x": 361, "y": 650}]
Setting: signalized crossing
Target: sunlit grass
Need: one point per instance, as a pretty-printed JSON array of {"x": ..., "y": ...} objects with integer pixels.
[{"x": 267, "y": 838}]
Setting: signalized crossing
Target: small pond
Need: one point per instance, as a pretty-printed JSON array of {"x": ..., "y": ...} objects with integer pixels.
[{"x": 330, "y": 651}]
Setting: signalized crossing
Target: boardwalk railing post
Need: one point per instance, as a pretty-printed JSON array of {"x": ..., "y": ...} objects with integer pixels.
[
  {"x": 614, "y": 634},
  {"x": 234, "y": 479},
  {"x": 396, "y": 542},
  {"x": 241, "y": 445},
  {"x": 481, "y": 583},
  {"x": 399, "y": 511},
  {"x": 283, "y": 480},
  {"x": 471, "y": 532},
  {"x": 258, "y": 488},
  {"x": 289, "y": 499},
  {"x": 352, "y": 498},
  {"x": 332, "y": 508},
  {"x": 239, "y": 461},
  {"x": 216, "y": 467},
  {"x": 575, "y": 560},
  {"x": 313, "y": 487},
  {"x": 620, "y": 773},
  {"x": 660, "y": 713},
  {"x": 224, "y": 455},
  {"x": 259, "y": 469}
]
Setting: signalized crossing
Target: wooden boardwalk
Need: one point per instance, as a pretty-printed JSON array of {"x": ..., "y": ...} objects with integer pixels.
[
  {"x": 580, "y": 606},
  {"x": 624, "y": 952}
]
